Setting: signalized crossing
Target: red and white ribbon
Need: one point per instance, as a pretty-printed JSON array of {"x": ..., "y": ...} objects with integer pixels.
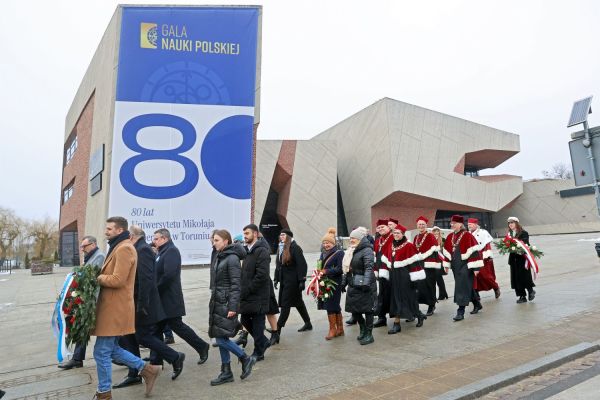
[
  {"x": 314, "y": 286},
  {"x": 530, "y": 262}
]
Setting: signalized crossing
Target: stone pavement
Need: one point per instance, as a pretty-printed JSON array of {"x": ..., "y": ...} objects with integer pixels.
[{"x": 416, "y": 364}]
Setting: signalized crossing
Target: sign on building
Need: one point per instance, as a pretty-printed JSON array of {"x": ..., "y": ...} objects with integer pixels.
[{"x": 183, "y": 128}]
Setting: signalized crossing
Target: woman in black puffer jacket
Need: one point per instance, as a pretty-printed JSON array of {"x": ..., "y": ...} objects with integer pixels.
[
  {"x": 225, "y": 283},
  {"x": 361, "y": 296}
]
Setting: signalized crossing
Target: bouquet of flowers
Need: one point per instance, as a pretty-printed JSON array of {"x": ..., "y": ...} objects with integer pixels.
[
  {"x": 79, "y": 304},
  {"x": 321, "y": 287},
  {"x": 511, "y": 245}
]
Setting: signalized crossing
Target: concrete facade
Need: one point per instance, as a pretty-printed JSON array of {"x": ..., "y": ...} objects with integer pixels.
[
  {"x": 397, "y": 159},
  {"x": 541, "y": 210}
]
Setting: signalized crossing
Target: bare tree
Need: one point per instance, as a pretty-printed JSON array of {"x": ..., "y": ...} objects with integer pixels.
[
  {"x": 558, "y": 171},
  {"x": 45, "y": 234},
  {"x": 10, "y": 229}
]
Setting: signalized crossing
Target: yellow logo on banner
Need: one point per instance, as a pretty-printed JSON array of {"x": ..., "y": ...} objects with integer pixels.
[{"x": 148, "y": 35}]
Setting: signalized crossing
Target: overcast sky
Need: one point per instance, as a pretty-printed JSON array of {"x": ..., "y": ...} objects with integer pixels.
[{"x": 512, "y": 65}]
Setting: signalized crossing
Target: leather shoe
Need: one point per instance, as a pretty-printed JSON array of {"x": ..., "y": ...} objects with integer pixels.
[
  {"x": 306, "y": 327},
  {"x": 169, "y": 340},
  {"x": 410, "y": 319},
  {"x": 395, "y": 329},
  {"x": 521, "y": 300},
  {"x": 476, "y": 309},
  {"x": 178, "y": 366},
  {"x": 204, "y": 354},
  {"x": 430, "y": 311},
  {"x": 380, "y": 322},
  {"x": 128, "y": 381},
  {"x": 531, "y": 295},
  {"x": 459, "y": 317},
  {"x": 70, "y": 364},
  {"x": 351, "y": 321}
]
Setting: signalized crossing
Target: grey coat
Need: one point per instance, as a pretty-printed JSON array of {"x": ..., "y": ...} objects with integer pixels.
[
  {"x": 97, "y": 259},
  {"x": 362, "y": 299}
]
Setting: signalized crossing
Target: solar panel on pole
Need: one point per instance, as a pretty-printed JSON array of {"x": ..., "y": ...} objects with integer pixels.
[{"x": 580, "y": 111}]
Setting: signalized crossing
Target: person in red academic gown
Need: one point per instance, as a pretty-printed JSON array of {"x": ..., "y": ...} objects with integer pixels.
[
  {"x": 428, "y": 248},
  {"x": 486, "y": 279},
  {"x": 383, "y": 249},
  {"x": 462, "y": 255},
  {"x": 406, "y": 267}
]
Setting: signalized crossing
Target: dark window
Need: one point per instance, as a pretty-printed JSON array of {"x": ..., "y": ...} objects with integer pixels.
[{"x": 68, "y": 192}]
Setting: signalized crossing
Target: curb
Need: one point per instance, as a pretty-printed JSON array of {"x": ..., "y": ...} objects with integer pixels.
[{"x": 487, "y": 385}]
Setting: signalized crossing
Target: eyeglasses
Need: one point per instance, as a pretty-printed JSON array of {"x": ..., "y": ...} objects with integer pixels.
[{"x": 83, "y": 246}]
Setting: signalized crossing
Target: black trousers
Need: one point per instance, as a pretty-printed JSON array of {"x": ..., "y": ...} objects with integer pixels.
[
  {"x": 129, "y": 343},
  {"x": 79, "y": 352},
  {"x": 441, "y": 284},
  {"x": 151, "y": 337},
  {"x": 285, "y": 313},
  {"x": 255, "y": 325},
  {"x": 384, "y": 297},
  {"x": 183, "y": 331},
  {"x": 519, "y": 292},
  {"x": 367, "y": 320},
  {"x": 168, "y": 332}
]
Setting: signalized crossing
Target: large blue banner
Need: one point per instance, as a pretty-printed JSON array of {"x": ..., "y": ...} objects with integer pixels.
[{"x": 184, "y": 115}]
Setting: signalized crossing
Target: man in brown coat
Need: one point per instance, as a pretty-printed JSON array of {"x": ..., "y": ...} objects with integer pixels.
[{"x": 115, "y": 312}]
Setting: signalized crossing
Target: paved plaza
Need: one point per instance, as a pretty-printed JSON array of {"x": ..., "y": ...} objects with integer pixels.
[{"x": 418, "y": 363}]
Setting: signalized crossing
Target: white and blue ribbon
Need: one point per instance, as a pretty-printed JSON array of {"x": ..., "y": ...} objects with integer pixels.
[{"x": 58, "y": 321}]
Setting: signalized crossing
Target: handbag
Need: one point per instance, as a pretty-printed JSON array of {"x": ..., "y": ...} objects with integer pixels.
[
  {"x": 417, "y": 275},
  {"x": 358, "y": 280}
]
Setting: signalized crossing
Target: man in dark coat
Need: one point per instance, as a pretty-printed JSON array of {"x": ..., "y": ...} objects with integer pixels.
[
  {"x": 290, "y": 272},
  {"x": 168, "y": 272},
  {"x": 254, "y": 302},
  {"x": 148, "y": 312}
]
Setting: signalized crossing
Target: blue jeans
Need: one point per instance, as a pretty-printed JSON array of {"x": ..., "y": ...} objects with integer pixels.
[
  {"x": 226, "y": 346},
  {"x": 107, "y": 349}
]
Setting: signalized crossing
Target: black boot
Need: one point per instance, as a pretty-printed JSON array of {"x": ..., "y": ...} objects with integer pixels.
[
  {"x": 204, "y": 354},
  {"x": 476, "y": 307},
  {"x": 178, "y": 366},
  {"x": 522, "y": 299},
  {"x": 71, "y": 364},
  {"x": 351, "y": 320},
  {"x": 362, "y": 327},
  {"x": 430, "y": 310},
  {"x": 420, "y": 318},
  {"x": 381, "y": 321},
  {"x": 242, "y": 339},
  {"x": 224, "y": 377},
  {"x": 531, "y": 294},
  {"x": 306, "y": 327},
  {"x": 410, "y": 319},
  {"x": 247, "y": 364},
  {"x": 395, "y": 329},
  {"x": 368, "y": 338},
  {"x": 460, "y": 314},
  {"x": 275, "y": 337}
]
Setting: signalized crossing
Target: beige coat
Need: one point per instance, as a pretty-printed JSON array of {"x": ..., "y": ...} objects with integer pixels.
[{"x": 115, "y": 310}]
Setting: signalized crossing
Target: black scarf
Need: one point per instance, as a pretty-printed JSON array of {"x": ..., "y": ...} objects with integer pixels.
[
  {"x": 112, "y": 243},
  {"x": 397, "y": 243},
  {"x": 326, "y": 254},
  {"x": 89, "y": 255}
]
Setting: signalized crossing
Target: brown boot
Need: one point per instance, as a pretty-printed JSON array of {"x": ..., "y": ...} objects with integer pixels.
[
  {"x": 339, "y": 323},
  {"x": 150, "y": 373},
  {"x": 102, "y": 396},
  {"x": 332, "y": 330}
]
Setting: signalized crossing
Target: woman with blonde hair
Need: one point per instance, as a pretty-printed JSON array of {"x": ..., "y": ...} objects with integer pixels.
[{"x": 331, "y": 261}]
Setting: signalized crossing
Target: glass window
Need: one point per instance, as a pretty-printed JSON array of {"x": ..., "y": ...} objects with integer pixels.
[
  {"x": 71, "y": 150},
  {"x": 67, "y": 193}
]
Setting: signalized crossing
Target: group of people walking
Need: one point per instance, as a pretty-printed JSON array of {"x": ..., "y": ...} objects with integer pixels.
[{"x": 386, "y": 275}]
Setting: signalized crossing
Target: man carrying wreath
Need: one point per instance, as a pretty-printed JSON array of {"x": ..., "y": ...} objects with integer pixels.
[{"x": 115, "y": 312}]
